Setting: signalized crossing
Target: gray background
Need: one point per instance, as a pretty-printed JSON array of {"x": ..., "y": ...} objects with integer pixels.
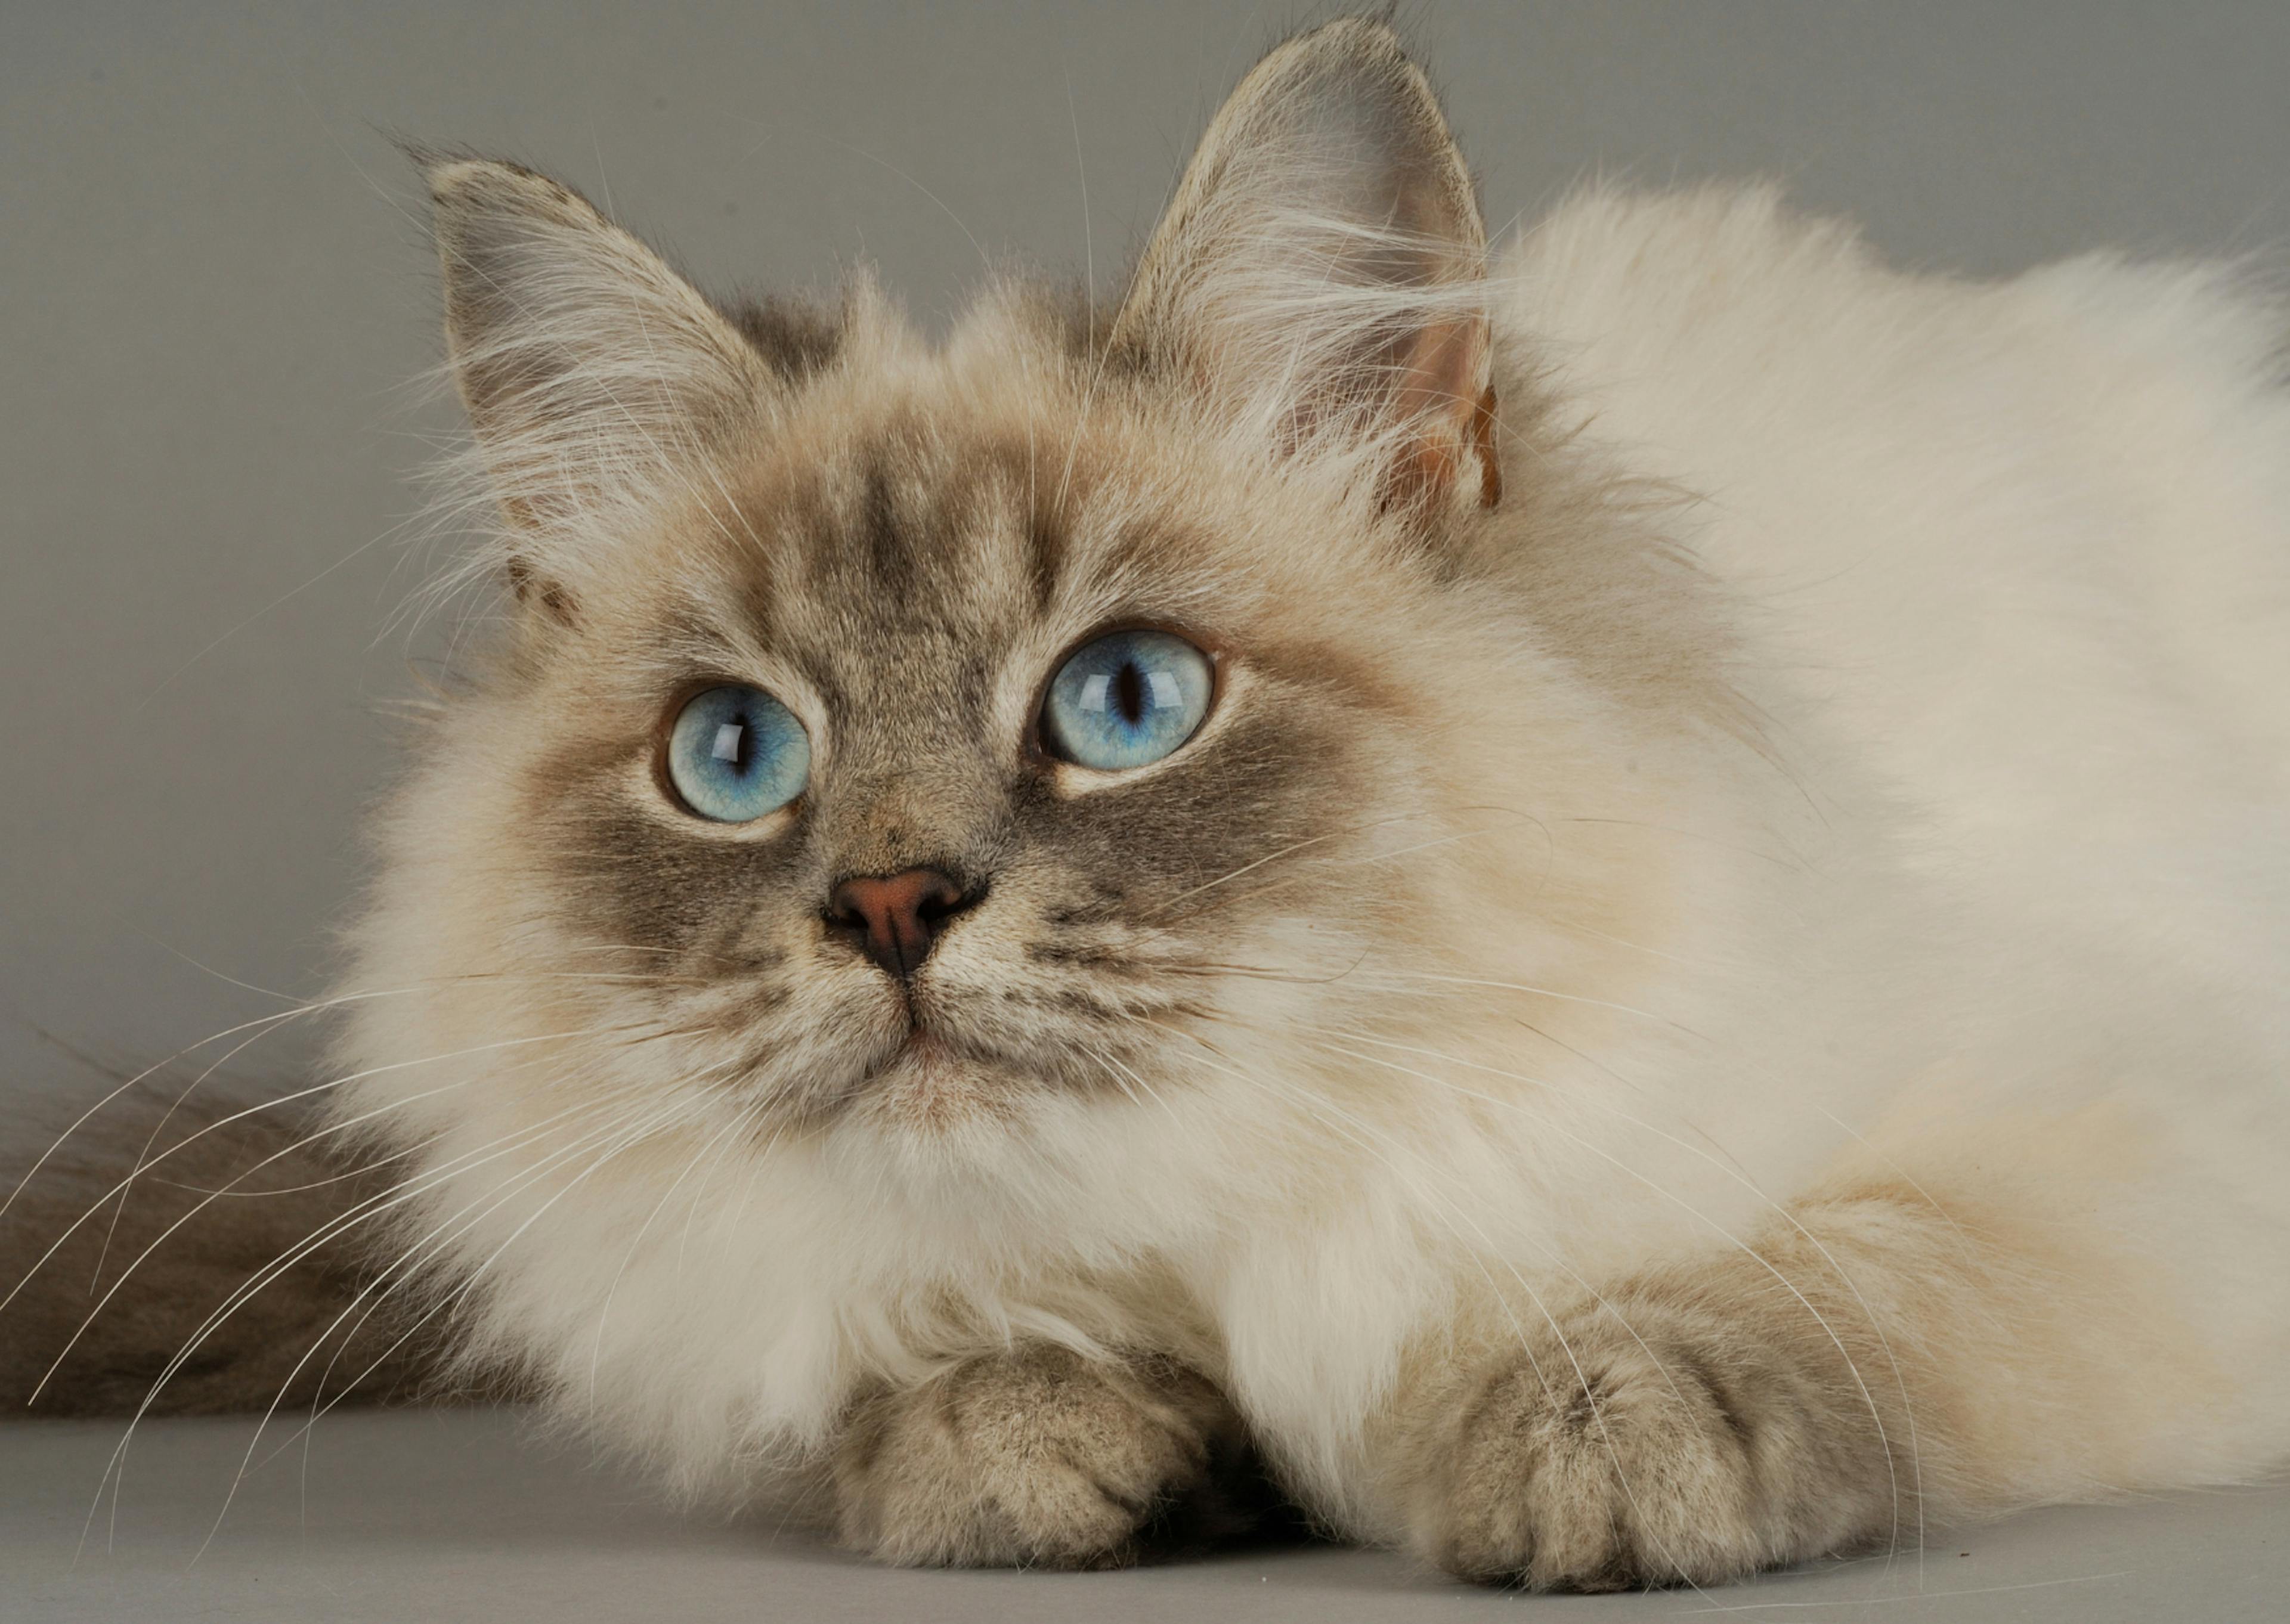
[{"x": 215, "y": 300}]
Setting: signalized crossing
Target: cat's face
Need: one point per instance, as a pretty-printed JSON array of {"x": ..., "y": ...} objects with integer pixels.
[{"x": 905, "y": 560}]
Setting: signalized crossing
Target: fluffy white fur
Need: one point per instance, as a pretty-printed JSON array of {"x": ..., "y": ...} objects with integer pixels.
[{"x": 1994, "y": 904}]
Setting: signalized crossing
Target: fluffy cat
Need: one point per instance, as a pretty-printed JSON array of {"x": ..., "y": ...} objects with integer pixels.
[{"x": 1626, "y": 912}]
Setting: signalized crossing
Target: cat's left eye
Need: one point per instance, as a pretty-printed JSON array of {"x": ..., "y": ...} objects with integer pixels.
[
  {"x": 735, "y": 753},
  {"x": 1126, "y": 700}
]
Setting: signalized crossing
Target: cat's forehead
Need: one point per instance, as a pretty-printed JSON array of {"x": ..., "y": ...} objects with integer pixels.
[
  {"x": 927, "y": 535},
  {"x": 911, "y": 524}
]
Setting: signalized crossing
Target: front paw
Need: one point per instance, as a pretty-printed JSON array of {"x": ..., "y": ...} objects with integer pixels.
[
  {"x": 1040, "y": 1457},
  {"x": 1680, "y": 1448}
]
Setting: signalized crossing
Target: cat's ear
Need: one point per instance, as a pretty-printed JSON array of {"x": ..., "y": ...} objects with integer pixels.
[
  {"x": 1321, "y": 271},
  {"x": 597, "y": 380}
]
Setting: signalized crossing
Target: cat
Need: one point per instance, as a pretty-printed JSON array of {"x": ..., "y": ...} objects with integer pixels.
[{"x": 1620, "y": 912}]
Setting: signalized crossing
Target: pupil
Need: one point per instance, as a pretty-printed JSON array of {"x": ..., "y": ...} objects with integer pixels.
[{"x": 1129, "y": 693}]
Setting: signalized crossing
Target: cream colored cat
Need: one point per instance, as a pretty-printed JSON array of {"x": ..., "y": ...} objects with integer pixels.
[{"x": 1628, "y": 910}]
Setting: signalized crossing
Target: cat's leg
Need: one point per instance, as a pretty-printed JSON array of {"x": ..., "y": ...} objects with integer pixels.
[
  {"x": 1872, "y": 1360},
  {"x": 1038, "y": 1456}
]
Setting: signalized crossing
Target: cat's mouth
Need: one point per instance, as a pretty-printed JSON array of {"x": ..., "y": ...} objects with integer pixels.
[
  {"x": 930, "y": 1081},
  {"x": 926, "y": 1054},
  {"x": 931, "y": 1068}
]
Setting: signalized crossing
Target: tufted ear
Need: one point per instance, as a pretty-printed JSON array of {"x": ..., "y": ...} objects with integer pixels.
[
  {"x": 1321, "y": 272},
  {"x": 597, "y": 380}
]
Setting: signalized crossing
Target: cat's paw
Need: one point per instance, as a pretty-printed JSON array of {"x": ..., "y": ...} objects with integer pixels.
[
  {"x": 1677, "y": 1450},
  {"x": 1038, "y": 1458}
]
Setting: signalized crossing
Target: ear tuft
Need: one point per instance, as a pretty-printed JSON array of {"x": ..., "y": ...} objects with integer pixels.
[
  {"x": 1321, "y": 273},
  {"x": 597, "y": 380}
]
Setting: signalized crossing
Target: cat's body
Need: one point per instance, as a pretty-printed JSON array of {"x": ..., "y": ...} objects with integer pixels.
[{"x": 1709, "y": 989}]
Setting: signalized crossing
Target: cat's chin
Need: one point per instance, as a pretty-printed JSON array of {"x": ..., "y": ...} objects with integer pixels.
[{"x": 928, "y": 1082}]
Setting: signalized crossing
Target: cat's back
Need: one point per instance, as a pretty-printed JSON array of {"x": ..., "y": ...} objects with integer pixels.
[{"x": 2026, "y": 543}]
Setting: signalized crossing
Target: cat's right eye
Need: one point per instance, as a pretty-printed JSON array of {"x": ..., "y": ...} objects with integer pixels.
[{"x": 736, "y": 753}]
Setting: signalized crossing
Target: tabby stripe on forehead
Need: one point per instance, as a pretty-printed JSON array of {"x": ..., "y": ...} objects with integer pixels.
[
  {"x": 879, "y": 531},
  {"x": 1046, "y": 555}
]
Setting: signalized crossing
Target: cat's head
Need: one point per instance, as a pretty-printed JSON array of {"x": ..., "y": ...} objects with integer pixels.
[{"x": 918, "y": 737}]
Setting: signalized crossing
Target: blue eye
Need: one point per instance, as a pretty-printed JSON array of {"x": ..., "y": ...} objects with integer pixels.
[
  {"x": 1126, "y": 700},
  {"x": 736, "y": 753}
]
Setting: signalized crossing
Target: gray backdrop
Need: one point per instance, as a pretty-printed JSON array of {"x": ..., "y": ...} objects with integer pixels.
[{"x": 214, "y": 297}]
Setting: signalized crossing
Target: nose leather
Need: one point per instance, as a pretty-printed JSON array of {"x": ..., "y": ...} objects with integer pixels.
[{"x": 894, "y": 918}]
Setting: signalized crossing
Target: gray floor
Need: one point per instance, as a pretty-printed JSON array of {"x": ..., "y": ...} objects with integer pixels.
[{"x": 464, "y": 1516}]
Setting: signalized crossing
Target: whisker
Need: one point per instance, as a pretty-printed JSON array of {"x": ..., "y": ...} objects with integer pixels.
[
  {"x": 114, "y": 1471},
  {"x": 1852, "y": 1366},
  {"x": 1300, "y": 845},
  {"x": 1581, "y": 1377},
  {"x": 277, "y": 1018},
  {"x": 630, "y": 1136},
  {"x": 269, "y": 1105},
  {"x": 1545, "y": 992}
]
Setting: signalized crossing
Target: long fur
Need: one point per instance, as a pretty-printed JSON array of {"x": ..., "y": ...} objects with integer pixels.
[
  {"x": 1799, "y": 876},
  {"x": 185, "y": 1250}
]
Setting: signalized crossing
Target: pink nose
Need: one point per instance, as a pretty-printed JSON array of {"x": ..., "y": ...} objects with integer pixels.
[{"x": 893, "y": 918}]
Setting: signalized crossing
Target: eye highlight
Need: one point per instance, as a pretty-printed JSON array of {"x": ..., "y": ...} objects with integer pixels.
[
  {"x": 1126, "y": 700},
  {"x": 736, "y": 752}
]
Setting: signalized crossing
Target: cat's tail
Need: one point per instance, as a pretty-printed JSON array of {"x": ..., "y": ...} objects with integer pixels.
[{"x": 186, "y": 1253}]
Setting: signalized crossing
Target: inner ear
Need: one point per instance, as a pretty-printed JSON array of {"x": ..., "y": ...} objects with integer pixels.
[
  {"x": 1321, "y": 273},
  {"x": 1444, "y": 389}
]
